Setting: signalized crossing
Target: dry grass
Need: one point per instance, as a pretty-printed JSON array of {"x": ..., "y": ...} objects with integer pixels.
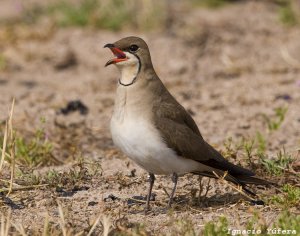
[
  {"x": 9, "y": 140},
  {"x": 8, "y": 160},
  {"x": 235, "y": 187},
  {"x": 74, "y": 200},
  {"x": 288, "y": 197},
  {"x": 5, "y": 224}
]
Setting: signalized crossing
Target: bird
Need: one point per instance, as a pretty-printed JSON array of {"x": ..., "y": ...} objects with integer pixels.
[{"x": 154, "y": 130}]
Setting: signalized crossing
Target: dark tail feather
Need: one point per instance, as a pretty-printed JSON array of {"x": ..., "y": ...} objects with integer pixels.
[
  {"x": 253, "y": 180},
  {"x": 239, "y": 180},
  {"x": 248, "y": 191}
]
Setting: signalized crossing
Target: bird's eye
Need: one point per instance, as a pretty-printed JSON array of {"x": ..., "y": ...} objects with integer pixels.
[{"x": 133, "y": 48}]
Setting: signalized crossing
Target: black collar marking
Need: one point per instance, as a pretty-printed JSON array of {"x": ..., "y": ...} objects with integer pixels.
[{"x": 134, "y": 79}]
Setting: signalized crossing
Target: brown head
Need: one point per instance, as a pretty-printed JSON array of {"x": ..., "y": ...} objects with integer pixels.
[{"x": 130, "y": 53}]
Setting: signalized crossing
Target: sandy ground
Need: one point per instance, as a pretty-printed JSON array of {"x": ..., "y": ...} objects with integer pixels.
[{"x": 226, "y": 67}]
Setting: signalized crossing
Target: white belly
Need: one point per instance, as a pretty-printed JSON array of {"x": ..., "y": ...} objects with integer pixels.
[{"x": 140, "y": 140}]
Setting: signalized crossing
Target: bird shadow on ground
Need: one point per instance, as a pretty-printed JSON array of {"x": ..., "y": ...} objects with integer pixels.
[
  {"x": 183, "y": 203},
  {"x": 213, "y": 201}
]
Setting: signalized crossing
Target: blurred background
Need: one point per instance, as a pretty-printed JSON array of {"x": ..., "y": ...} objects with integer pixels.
[
  {"x": 238, "y": 57},
  {"x": 118, "y": 15},
  {"x": 233, "y": 64}
]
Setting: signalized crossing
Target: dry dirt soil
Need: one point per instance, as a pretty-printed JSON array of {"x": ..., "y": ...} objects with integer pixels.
[{"x": 229, "y": 68}]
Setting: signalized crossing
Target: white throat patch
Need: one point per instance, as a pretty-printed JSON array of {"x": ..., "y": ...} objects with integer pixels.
[{"x": 129, "y": 68}]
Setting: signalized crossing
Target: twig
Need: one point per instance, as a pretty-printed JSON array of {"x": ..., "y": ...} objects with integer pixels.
[
  {"x": 288, "y": 58},
  {"x": 24, "y": 187},
  {"x": 46, "y": 224},
  {"x": 9, "y": 138},
  {"x": 20, "y": 229},
  {"x": 79, "y": 233},
  {"x": 194, "y": 209},
  {"x": 239, "y": 188},
  {"x": 94, "y": 226},
  {"x": 6, "y": 154},
  {"x": 4, "y": 145},
  {"x": 290, "y": 170},
  {"x": 13, "y": 165},
  {"x": 106, "y": 225},
  {"x": 7, "y": 181},
  {"x": 10, "y": 129},
  {"x": 137, "y": 200},
  {"x": 5, "y": 224},
  {"x": 62, "y": 221},
  {"x": 227, "y": 60}
]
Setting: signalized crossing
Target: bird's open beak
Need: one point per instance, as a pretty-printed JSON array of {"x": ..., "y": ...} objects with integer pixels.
[{"x": 120, "y": 55}]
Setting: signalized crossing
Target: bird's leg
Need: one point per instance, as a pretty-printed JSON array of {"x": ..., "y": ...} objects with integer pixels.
[
  {"x": 151, "y": 181},
  {"x": 174, "y": 179}
]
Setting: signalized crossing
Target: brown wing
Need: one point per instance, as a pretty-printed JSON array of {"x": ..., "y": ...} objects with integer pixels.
[
  {"x": 181, "y": 133},
  {"x": 167, "y": 107}
]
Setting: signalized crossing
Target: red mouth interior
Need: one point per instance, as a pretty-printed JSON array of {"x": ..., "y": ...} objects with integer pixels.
[
  {"x": 120, "y": 56},
  {"x": 118, "y": 53}
]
